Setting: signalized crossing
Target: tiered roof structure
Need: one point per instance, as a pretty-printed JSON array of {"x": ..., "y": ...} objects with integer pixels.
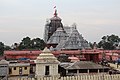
[
  {"x": 61, "y": 37},
  {"x": 55, "y": 22},
  {"x": 75, "y": 41},
  {"x": 46, "y": 64},
  {"x": 58, "y": 35},
  {"x": 46, "y": 57}
]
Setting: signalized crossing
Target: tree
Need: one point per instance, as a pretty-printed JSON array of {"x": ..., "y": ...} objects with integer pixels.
[
  {"x": 7, "y": 47},
  {"x": 1, "y": 48},
  {"x": 109, "y": 42},
  {"x": 25, "y": 44},
  {"x": 15, "y": 46},
  {"x": 93, "y": 45},
  {"x": 36, "y": 44}
]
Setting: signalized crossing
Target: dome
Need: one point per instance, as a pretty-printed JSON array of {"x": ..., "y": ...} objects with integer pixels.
[{"x": 55, "y": 18}]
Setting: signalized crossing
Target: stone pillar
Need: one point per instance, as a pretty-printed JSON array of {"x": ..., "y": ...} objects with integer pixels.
[
  {"x": 88, "y": 71},
  {"x": 66, "y": 71},
  {"x": 98, "y": 71},
  {"x": 77, "y": 71}
]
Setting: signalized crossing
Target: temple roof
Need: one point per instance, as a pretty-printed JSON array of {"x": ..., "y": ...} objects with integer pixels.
[
  {"x": 68, "y": 29},
  {"x": 46, "y": 57},
  {"x": 64, "y": 37},
  {"x": 55, "y": 18},
  {"x": 58, "y": 36},
  {"x": 74, "y": 41},
  {"x": 82, "y": 65}
]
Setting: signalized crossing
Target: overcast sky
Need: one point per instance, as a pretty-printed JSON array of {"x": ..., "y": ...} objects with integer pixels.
[{"x": 94, "y": 18}]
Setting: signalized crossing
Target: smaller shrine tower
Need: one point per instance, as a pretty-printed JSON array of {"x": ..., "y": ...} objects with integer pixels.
[{"x": 46, "y": 64}]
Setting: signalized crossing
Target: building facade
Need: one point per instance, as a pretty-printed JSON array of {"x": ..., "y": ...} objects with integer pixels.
[
  {"x": 19, "y": 69},
  {"x": 46, "y": 64},
  {"x": 4, "y": 69}
]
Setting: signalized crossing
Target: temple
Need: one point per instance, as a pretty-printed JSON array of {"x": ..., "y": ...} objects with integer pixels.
[
  {"x": 50, "y": 28},
  {"x": 61, "y": 37}
]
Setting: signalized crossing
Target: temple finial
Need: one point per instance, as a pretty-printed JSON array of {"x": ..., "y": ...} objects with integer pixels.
[{"x": 55, "y": 14}]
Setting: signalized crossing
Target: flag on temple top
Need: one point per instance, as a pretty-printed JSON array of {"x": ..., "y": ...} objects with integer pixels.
[{"x": 54, "y": 6}]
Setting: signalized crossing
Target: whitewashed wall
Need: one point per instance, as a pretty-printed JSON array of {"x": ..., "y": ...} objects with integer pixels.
[{"x": 82, "y": 77}]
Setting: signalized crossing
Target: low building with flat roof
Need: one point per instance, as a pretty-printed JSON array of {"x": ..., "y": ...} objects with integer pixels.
[
  {"x": 80, "y": 67},
  {"x": 19, "y": 69}
]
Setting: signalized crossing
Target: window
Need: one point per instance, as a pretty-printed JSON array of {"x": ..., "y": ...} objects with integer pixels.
[
  {"x": 10, "y": 71},
  {"x": 25, "y": 68},
  {"x": 14, "y": 68}
]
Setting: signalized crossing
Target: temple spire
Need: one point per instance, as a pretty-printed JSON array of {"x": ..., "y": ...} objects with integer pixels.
[{"x": 55, "y": 14}]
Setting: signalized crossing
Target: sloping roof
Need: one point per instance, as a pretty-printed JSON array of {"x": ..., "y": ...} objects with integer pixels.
[
  {"x": 73, "y": 58},
  {"x": 58, "y": 36},
  {"x": 46, "y": 56},
  {"x": 22, "y": 52},
  {"x": 82, "y": 65},
  {"x": 55, "y": 18},
  {"x": 75, "y": 41},
  {"x": 4, "y": 62},
  {"x": 68, "y": 29},
  {"x": 60, "y": 45}
]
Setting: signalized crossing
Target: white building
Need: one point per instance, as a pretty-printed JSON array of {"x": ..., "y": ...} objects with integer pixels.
[{"x": 46, "y": 64}]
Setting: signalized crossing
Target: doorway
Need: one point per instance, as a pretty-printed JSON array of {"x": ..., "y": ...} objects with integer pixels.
[{"x": 46, "y": 70}]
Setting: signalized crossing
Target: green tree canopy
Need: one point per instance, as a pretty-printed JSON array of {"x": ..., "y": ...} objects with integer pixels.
[
  {"x": 37, "y": 43},
  {"x": 1, "y": 48},
  {"x": 28, "y": 43},
  {"x": 25, "y": 43},
  {"x": 7, "y": 47},
  {"x": 109, "y": 42}
]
